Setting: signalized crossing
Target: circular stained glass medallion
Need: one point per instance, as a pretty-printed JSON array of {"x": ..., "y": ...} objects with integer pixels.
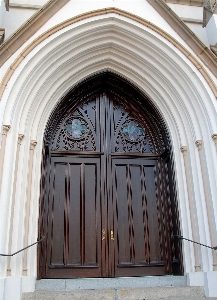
[
  {"x": 132, "y": 131},
  {"x": 76, "y": 128}
]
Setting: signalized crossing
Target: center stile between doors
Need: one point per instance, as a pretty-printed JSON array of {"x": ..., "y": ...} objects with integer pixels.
[{"x": 108, "y": 201}]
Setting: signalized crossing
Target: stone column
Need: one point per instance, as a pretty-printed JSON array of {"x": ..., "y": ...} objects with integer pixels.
[
  {"x": 214, "y": 136},
  {"x": 28, "y": 199},
  {"x": 20, "y": 137},
  {"x": 191, "y": 208},
  {"x": 208, "y": 203},
  {"x": 2, "y": 153}
]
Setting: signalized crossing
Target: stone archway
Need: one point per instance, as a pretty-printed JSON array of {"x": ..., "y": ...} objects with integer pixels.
[{"x": 146, "y": 59}]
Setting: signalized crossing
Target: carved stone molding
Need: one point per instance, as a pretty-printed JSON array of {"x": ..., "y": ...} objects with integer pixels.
[
  {"x": 184, "y": 150},
  {"x": 24, "y": 32},
  {"x": 210, "y": 5},
  {"x": 7, "y": 5},
  {"x": 198, "y": 143},
  {"x": 214, "y": 49},
  {"x": 191, "y": 208},
  {"x": 186, "y": 2},
  {"x": 202, "y": 51},
  {"x": 2, "y": 35},
  {"x": 214, "y": 136},
  {"x": 208, "y": 202},
  {"x": 20, "y": 138},
  {"x": 33, "y": 144},
  {"x": 209, "y": 8},
  {"x": 6, "y": 128}
]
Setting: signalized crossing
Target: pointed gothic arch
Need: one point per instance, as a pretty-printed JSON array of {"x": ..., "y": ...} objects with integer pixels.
[{"x": 147, "y": 60}]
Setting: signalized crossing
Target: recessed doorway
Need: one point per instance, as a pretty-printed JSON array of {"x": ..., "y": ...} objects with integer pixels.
[{"x": 108, "y": 199}]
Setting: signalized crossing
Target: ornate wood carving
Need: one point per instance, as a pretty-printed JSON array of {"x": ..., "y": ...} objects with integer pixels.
[
  {"x": 127, "y": 106},
  {"x": 79, "y": 130}
]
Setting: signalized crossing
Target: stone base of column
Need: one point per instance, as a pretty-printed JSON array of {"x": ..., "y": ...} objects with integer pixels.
[
  {"x": 2, "y": 288},
  {"x": 13, "y": 288},
  {"x": 28, "y": 284},
  {"x": 210, "y": 284},
  {"x": 195, "y": 279}
]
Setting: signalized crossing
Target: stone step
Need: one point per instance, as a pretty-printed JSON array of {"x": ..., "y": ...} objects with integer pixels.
[
  {"x": 153, "y": 293},
  {"x": 110, "y": 283}
]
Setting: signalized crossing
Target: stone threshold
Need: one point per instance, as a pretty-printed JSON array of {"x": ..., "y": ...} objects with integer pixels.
[{"x": 110, "y": 283}]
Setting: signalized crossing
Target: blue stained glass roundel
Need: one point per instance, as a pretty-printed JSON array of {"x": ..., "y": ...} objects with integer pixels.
[
  {"x": 132, "y": 131},
  {"x": 76, "y": 128}
]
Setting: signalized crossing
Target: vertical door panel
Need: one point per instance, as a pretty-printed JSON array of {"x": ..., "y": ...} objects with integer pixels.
[
  {"x": 122, "y": 211},
  {"x": 58, "y": 215},
  {"x": 153, "y": 226},
  {"x": 90, "y": 217},
  {"x": 74, "y": 213},
  {"x": 138, "y": 214},
  {"x": 137, "y": 241}
]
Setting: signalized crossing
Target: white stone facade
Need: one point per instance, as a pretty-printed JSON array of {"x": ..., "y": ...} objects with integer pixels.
[{"x": 128, "y": 40}]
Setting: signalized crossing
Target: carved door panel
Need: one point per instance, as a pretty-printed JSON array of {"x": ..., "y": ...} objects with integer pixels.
[
  {"x": 74, "y": 224},
  {"x": 137, "y": 221}
]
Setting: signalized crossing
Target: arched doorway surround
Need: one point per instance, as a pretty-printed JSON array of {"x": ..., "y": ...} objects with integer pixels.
[
  {"x": 151, "y": 63},
  {"x": 108, "y": 196}
]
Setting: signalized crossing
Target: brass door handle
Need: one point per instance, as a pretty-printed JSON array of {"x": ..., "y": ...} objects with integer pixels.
[
  {"x": 103, "y": 234},
  {"x": 111, "y": 235}
]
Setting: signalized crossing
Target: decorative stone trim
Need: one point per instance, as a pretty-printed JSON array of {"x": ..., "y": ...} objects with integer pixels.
[
  {"x": 7, "y": 5},
  {"x": 23, "y": 33},
  {"x": 186, "y": 2},
  {"x": 99, "y": 12},
  {"x": 214, "y": 136},
  {"x": 203, "y": 53},
  {"x": 5, "y": 130},
  {"x": 26, "y": 6},
  {"x": 32, "y": 145},
  {"x": 198, "y": 143},
  {"x": 20, "y": 138},
  {"x": 193, "y": 21},
  {"x": 28, "y": 199},
  {"x": 210, "y": 7},
  {"x": 214, "y": 49},
  {"x": 2, "y": 34},
  {"x": 208, "y": 204},
  {"x": 191, "y": 208}
]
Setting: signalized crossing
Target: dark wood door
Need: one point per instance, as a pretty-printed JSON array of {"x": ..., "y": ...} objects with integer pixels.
[
  {"x": 106, "y": 199},
  {"x": 135, "y": 212},
  {"x": 74, "y": 229}
]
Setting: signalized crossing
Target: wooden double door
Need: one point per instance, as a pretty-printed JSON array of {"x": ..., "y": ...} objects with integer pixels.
[{"x": 106, "y": 206}]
